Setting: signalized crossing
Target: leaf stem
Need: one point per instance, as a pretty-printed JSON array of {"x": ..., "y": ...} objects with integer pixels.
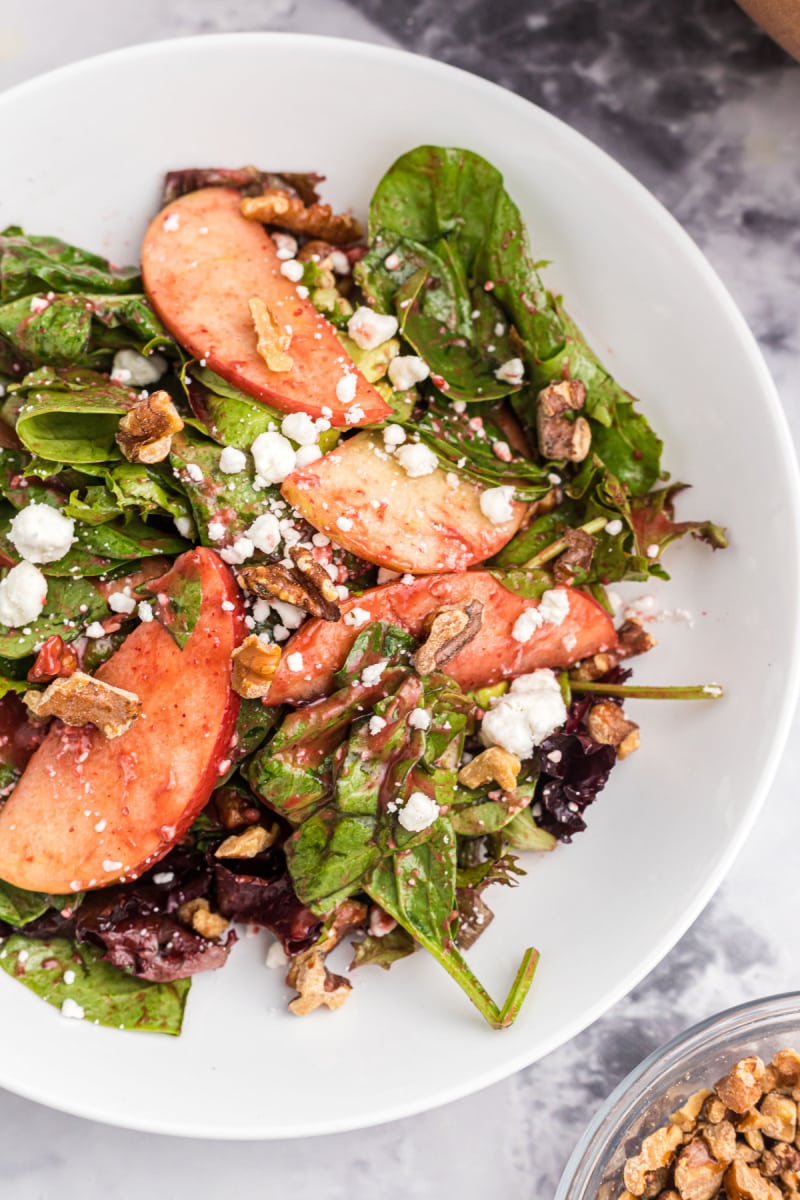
[
  {"x": 560, "y": 544},
  {"x": 700, "y": 691},
  {"x": 519, "y": 988}
]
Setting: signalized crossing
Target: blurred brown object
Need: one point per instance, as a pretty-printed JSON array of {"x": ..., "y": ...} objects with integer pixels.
[{"x": 779, "y": 18}]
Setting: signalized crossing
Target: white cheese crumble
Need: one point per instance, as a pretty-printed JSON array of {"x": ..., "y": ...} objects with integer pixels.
[
  {"x": 300, "y": 427},
  {"x": 418, "y": 813},
  {"x": 526, "y": 625},
  {"x": 239, "y": 552},
  {"x": 357, "y": 617},
  {"x": 376, "y": 724},
  {"x": 306, "y": 455},
  {"x": 346, "y": 388},
  {"x": 417, "y": 459},
  {"x": 145, "y": 610},
  {"x": 184, "y": 526},
  {"x": 216, "y": 531},
  {"x": 286, "y": 245},
  {"x": 496, "y": 504},
  {"x": 292, "y": 269},
  {"x": 419, "y": 719},
  {"x": 41, "y": 534},
  {"x": 172, "y": 222},
  {"x": 110, "y": 864},
  {"x": 265, "y": 533},
  {"x": 613, "y": 527},
  {"x": 652, "y": 550},
  {"x": 393, "y": 436},
  {"x": 232, "y": 461},
  {"x": 344, "y": 523},
  {"x": 276, "y": 956},
  {"x": 119, "y": 602},
  {"x": 68, "y": 977},
  {"x": 512, "y": 372},
  {"x": 194, "y": 472},
  {"x": 137, "y": 370},
  {"x": 528, "y": 713},
  {"x": 554, "y": 606},
  {"x": 23, "y": 593},
  {"x": 406, "y": 370},
  {"x": 70, "y": 1008},
  {"x": 372, "y": 674},
  {"x": 290, "y": 614},
  {"x": 95, "y": 630},
  {"x": 369, "y": 329},
  {"x": 355, "y": 414},
  {"x": 274, "y": 456},
  {"x": 295, "y": 661}
]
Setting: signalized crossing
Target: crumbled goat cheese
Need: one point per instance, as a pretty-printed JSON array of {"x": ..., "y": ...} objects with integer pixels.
[
  {"x": 554, "y": 606},
  {"x": 369, "y": 329},
  {"x": 286, "y": 245},
  {"x": 393, "y": 436},
  {"x": 418, "y": 813},
  {"x": 292, "y": 269},
  {"x": 417, "y": 459},
  {"x": 526, "y": 625},
  {"x": 652, "y": 550},
  {"x": 274, "y": 456},
  {"x": 528, "y": 713},
  {"x": 419, "y": 719},
  {"x": 496, "y": 504},
  {"x": 239, "y": 552},
  {"x": 512, "y": 372},
  {"x": 70, "y": 1008},
  {"x": 145, "y": 610},
  {"x": 232, "y": 461},
  {"x": 357, "y": 617},
  {"x": 306, "y": 455},
  {"x": 392, "y": 261},
  {"x": 68, "y": 977},
  {"x": 290, "y": 614},
  {"x": 172, "y": 222},
  {"x": 406, "y": 370},
  {"x": 39, "y": 304},
  {"x": 118, "y": 602},
  {"x": 216, "y": 531},
  {"x": 376, "y": 724},
  {"x": 41, "y": 534},
  {"x": 184, "y": 526},
  {"x": 354, "y": 414},
  {"x": 23, "y": 593},
  {"x": 260, "y": 610},
  {"x": 265, "y": 533},
  {"x": 344, "y": 523},
  {"x": 346, "y": 388},
  {"x": 372, "y": 674},
  {"x": 95, "y": 630},
  {"x": 137, "y": 370},
  {"x": 194, "y": 472},
  {"x": 295, "y": 661},
  {"x": 614, "y": 527},
  {"x": 276, "y": 956},
  {"x": 300, "y": 427}
]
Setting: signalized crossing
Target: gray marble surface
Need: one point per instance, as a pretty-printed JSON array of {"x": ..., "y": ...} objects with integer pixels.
[{"x": 704, "y": 110}]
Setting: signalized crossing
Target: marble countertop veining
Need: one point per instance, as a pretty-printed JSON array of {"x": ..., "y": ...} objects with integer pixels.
[{"x": 703, "y": 108}]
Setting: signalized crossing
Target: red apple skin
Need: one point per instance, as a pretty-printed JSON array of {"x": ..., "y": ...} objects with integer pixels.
[
  {"x": 361, "y": 498},
  {"x": 87, "y": 810},
  {"x": 200, "y": 284},
  {"x": 493, "y": 655}
]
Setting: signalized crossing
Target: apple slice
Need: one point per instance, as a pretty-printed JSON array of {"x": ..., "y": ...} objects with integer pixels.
[
  {"x": 88, "y": 811},
  {"x": 493, "y": 655},
  {"x": 202, "y": 263},
  {"x": 363, "y": 499}
]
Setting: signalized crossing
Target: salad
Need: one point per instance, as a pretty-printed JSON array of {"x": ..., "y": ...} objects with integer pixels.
[{"x": 306, "y": 534}]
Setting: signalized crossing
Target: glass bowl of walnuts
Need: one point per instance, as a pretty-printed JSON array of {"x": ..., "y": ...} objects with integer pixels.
[{"x": 712, "y": 1114}]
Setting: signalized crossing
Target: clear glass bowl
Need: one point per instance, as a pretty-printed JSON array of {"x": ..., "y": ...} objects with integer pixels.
[{"x": 654, "y": 1089}]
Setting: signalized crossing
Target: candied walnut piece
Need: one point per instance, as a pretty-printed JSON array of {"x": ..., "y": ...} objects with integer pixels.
[
  {"x": 687, "y": 1115},
  {"x": 451, "y": 629},
  {"x": 633, "y": 639},
  {"x": 608, "y": 726},
  {"x": 145, "y": 432},
  {"x": 253, "y": 667},
  {"x": 779, "y": 1160},
  {"x": 558, "y": 436},
  {"x": 714, "y": 1110},
  {"x": 720, "y": 1139},
  {"x": 492, "y": 764},
  {"x": 81, "y": 700},
  {"x": 698, "y": 1174},
  {"x": 274, "y": 339},
  {"x": 308, "y": 973},
  {"x": 787, "y": 1064},
  {"x": 778, "y": 1117},
  {"x": 741, "y": 1088},
  {"x": 277, "y": 207},
  {"x": 233, "y": 809},
  {"x": 249, "y": 843},
  {"x": 745, "y": 1153},
  {"x": 657, "y": 1150},
  {"x": 198, "y": 914},
  {"x": 743, "y": 1182},
  {"x": 577, "y": 556},
  {"x": 307, "y": 585}
]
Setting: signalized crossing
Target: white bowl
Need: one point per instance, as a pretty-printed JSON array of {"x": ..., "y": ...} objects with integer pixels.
[{"x": 84, "y": 153}]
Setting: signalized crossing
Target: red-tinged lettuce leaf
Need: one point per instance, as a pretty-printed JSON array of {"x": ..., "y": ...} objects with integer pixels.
[
  {"x": 383, "y": 951},
  {"x": 250, "y": 181},
  {"x": 654, "y": 524},
  {"x": 244, "y": 896},
  {"x": 156, "y": 947}
]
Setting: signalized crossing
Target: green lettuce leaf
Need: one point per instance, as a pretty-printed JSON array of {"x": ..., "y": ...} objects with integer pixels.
[
  {"x": 68, "y": 416},
  {"x": 72, "y": 604},
  {"x": 31, "y": 264}
]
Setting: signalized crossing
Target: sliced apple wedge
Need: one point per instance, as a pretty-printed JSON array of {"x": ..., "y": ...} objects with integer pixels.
[
  {"x": 202, "y": 263},
  {"x": 362, "y": 498},
  {"x": 493, "y": 655},
  {"x": 87, "y": 810}
]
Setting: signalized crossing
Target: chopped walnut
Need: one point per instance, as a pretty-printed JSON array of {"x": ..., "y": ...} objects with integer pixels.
[
  {"x": 274, "y": 339},
  {"x": 608, "y": 725},
  {"x": 145, "y": 432},
  {"x": 656, "y": 1151},
  {"x": 492, "y": 764},
  {"x": 559, "y": 437},
  {"x": 308, "y": 973},
  {"x": 248, "y": 844},
  {"x": 698, "y": 1174},
  {"x": 307, "y": 585},
  {"x": 198, "y": 914},
  {"x": 233, "y": 809},
  {"x": 778, "y": 1117},
  {"x": 81, "y": 700},
  {"x": 721, "y": 1140},
  {"x": 787, "y": 1065},
  {"x": 714, "y": 1110},
  {"x": 577, "y": 556},
  {"x": 632, "y": 639},
  {"x": 276, "y": 207},
  {"x": 450, "y": 630},
  {"x": 740, "y": 1089},
  {"x": 687, "y": 1115},
  {"x": 779, "y": 1159},
  {"x": 747, "y": 1183},
  {"x": 253, "y": 667}
]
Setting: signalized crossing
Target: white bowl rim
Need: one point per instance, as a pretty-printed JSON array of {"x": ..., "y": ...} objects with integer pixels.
[{"x": 316, "y": 43}]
